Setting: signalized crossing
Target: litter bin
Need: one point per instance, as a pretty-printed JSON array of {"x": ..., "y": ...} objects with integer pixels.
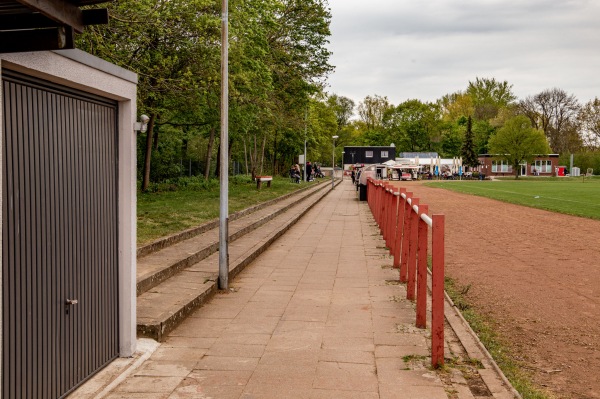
[{"x": 362, "y": 192}]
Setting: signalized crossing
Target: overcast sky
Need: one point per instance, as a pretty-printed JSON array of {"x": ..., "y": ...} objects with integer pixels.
[{"x": 406, "y": 49}]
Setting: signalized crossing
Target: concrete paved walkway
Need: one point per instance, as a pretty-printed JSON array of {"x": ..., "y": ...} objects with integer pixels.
[{"x": 318, "y": 315}]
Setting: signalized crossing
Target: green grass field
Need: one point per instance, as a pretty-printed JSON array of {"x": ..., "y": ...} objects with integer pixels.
[
  {"x": 572, "y": 196},
  {"x": 173, "y": 208}
]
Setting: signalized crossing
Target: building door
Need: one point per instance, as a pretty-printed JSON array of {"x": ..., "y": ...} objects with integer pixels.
[
  {"x": 523, "y": 169},
  {"x": 59, "y": 237}
]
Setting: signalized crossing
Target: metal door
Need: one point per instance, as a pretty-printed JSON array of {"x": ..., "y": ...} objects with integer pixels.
[{"x": 59, "y": 237}]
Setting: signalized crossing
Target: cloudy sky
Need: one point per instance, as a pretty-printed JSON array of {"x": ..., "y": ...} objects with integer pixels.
[{"x": 406, "y": 49}]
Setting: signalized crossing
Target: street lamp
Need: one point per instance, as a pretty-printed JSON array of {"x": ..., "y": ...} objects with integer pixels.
[{"x": 333, "y": 160}]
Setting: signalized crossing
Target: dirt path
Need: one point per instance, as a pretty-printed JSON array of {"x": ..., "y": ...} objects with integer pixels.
[{"x": 537, "y": 274}]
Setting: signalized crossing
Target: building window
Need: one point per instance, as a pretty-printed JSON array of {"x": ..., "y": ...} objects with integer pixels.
[
  {"x": 501, "y": 167},
  {"x": 544, "y": 166},
  {"x": 384, "y": 154},
  {"x": 368, "y": 154}
]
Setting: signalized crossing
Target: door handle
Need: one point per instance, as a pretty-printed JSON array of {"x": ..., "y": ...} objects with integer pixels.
[{"x": 69, "y": 303}]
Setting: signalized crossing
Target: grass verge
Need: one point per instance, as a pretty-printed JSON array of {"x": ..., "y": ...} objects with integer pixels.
[
  {"x": 571, "y": 196},
  {"x": 171, "y": 207},
  {"x": 496, "y": 345}
]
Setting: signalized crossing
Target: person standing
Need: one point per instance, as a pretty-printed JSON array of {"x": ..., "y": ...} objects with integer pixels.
[{"x": 308, "y": 171}]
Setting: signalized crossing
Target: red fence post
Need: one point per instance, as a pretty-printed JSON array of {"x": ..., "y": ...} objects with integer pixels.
[
  {"x": 405, "y": 240},
  {"x": 412, "y": 250},
  {"x": 382, "y": 197},
  {"x": 399, "y": 229},
  {"x": 421, "y": 321},
  {"x": 393, "y": 219},
  {"x": 391, "y": 216},
  {"x": 385, "y": 208},
  {"x": 378, "y": 202},
  {"x": 437, "y": 291}
]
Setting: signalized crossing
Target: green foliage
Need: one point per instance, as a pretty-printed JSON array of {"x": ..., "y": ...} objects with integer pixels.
[
  {"x": 489, "y": 96},
  {"x": 277, "y": 61},
  {"x": 411, "y": 125},
  {"x": 582, "y": 160},
  {"x": 452, "y": 139},
  {"x": 467, "y": 151},
  {"x": 518, "y": 142}
]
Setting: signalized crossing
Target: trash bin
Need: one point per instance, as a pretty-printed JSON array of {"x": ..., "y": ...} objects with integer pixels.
[{"x": 362, "y": 192}]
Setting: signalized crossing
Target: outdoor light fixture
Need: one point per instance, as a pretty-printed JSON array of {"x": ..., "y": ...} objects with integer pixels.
[{"x": 142, "y": 125}]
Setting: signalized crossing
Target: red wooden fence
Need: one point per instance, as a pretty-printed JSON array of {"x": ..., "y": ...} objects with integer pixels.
[{"x": 404, "y": 224}]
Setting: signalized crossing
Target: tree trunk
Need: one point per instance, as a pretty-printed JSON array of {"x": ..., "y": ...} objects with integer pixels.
[
  {"x": 253, "y": 158},
  {"x": 148, "y": 156},
  {"x": 211, "y": 142},
  {"x": 275, "y": 153},
  {"x": 246, "y": 156},
  {"x": 218, "y": 169},
  {"x": 262, "y": 155}
]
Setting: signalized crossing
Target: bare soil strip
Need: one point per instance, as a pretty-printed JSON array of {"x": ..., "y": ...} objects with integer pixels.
[{"x": 537, "y": 274}]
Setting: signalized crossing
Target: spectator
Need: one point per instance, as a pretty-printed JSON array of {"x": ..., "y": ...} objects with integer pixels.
[{"x": 295, "y": 173}]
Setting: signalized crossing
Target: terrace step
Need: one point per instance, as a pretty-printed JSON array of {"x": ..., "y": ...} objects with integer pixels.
[
  {"x": 185, "y": 249},
  {"x": 192, "y": 276}
]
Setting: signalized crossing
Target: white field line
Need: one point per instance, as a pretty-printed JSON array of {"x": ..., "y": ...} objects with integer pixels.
[{"x": 544, "y": 197}]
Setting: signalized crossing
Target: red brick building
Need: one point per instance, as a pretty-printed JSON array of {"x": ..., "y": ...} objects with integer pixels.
[{"x": 543, "y": 165}]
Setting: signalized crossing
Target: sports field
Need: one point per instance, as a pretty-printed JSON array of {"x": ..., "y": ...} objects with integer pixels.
[{"x": 572, "y": 196}]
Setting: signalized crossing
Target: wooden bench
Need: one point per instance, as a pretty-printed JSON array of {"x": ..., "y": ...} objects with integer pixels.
[{"x": 260, "y": 179}]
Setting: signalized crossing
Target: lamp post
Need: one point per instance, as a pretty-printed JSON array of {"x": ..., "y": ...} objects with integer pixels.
[
  {"x": 224, "y": 171},
  {"x": 333, "y": 160}
]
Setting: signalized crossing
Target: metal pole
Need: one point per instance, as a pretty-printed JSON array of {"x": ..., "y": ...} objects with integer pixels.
[
  {"x": 305, "y": 130},
  {"x": 333, "y": 160},
  {"x": 224, "y": 171}
]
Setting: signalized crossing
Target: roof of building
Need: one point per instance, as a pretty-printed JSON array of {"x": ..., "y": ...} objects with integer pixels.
[{"x": 37, "y": 25}]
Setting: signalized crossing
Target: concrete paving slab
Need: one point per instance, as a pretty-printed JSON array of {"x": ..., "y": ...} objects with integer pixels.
[
  {"x": 319, "y": 314},
  {"x": 354, "y": 377}
]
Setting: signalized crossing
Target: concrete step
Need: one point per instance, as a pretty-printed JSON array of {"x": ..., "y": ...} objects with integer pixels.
[
  {"x": 174, "y": 254},
  {"x": 164, "y": 306}
]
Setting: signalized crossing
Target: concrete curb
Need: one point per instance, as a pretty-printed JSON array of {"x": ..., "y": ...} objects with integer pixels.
[{"x": 463, "y": 331}]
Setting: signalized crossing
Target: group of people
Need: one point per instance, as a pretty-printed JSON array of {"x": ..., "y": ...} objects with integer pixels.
[{"x": 311, "y": 172}]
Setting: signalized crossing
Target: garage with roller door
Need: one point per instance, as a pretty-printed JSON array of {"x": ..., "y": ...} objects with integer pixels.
[{"x": 68, "y": 220}]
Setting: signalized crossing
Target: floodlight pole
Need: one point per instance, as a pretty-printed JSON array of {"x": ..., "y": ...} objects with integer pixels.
[{"x": 224, "y": 170}]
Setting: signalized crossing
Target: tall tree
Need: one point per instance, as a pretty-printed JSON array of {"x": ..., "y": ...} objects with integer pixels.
[
  {"x": 456, "y": 105},
  {"x": 488, "y": 96},
  {"x": 412, "y": 124},
  {"x": 467, "y": 152},
  {"x": 517, "y": 141},
  {"x": 589, "y": 119},
  {"x": 343, "y": 107},
  {"x": 371, "y": 111},
  {"x": 555, "y": 113}
]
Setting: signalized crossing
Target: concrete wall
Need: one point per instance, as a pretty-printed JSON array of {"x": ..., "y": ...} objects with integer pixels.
[{"x": 79, "y": 70}]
